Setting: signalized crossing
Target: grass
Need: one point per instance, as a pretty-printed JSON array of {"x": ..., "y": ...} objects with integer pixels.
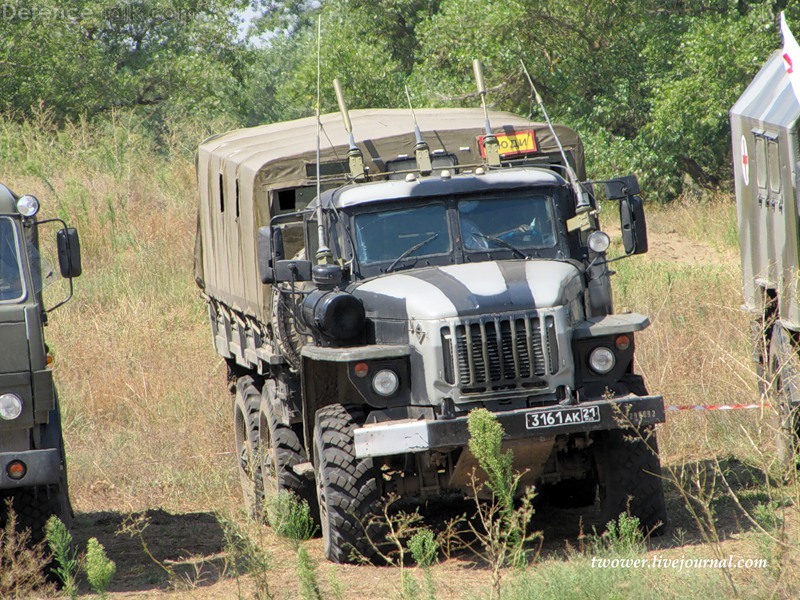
[{"x": 146, "y": 409}]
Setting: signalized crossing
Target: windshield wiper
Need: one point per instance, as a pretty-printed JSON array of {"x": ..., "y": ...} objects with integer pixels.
[
  {"x": 411, "y": 251},
  {"x": 502, "y": 243}
]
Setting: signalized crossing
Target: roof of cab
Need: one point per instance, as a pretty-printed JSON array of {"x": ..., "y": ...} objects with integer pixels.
[{"x": 436, "y": 185}]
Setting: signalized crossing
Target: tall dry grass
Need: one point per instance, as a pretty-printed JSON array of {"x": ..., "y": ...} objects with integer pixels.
[{"x": 144, "y": 404}]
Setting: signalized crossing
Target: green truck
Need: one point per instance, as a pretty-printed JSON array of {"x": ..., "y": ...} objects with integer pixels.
[
  {"x": 367, "y": 299},
  {"x": 32, "y": 462}
]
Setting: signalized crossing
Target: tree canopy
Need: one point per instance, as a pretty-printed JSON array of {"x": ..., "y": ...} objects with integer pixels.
[{"x": 647, "y": 83}]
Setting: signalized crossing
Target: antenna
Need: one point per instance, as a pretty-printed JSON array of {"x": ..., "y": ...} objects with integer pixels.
[
  {"x": 354, "y": 156},
  {"x": 583, "y": 203},
  {"x": 421, "y": 150},
  {"x": 490, "y": 145},
  {"x": 324, "y": 255}
]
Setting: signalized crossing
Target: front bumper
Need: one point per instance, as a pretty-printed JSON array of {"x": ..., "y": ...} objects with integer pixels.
[
  {"x": 399, "y": 437},
  {"x": 43, "y": 468}
]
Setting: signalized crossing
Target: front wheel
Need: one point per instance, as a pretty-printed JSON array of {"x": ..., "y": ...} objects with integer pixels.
[
  {"x": 348, "y": 488},
  {"x": 630, "y": 479}
]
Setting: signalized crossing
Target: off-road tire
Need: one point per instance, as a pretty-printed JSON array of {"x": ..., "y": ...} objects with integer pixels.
[
  {"x": 783, "y": 389},
  {"x": 281, "y": 449},
  {"x": 246, "y": 404},
  {"x": 348, "y": 489},
  {"x": 630, "y": 479}
]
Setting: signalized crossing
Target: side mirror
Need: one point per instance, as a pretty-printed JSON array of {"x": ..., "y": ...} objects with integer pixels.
[
  {"x": 264, "y": 243},
  {"x": 269, "y": 242},
  {"x": 292, "y": 270},
  {"x": 69, "y": 252},
  {"x": 634, "y": 226},
  {"x": 621, "y": 187}
]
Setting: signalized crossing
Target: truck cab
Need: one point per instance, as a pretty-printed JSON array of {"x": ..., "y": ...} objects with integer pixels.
[{"x": 32, "y": 461}]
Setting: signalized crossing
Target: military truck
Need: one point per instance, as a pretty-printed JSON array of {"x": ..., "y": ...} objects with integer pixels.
[
  {"x": 367, "y": 295},
  {"x": 32, "y": 462},
  {"x": 764, "y": 123}
]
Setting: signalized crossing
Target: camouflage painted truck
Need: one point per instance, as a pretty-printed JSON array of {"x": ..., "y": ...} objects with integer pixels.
[
  {"x": 32, "y": 461},
  {"x": 764, "y": 127},
  {"x": 436, "y": 273}
]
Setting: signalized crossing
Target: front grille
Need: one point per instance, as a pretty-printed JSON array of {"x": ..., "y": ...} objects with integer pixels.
[{"x": 500, "y": 353}]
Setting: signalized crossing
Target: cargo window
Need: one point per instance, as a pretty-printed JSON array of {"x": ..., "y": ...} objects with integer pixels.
[
  {"x": 221, "y": 194},
  {"x": 761, "y": 163},
  {"x": 774, "y": 167}
]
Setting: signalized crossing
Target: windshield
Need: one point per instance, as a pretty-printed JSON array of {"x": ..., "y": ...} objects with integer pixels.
[
  {"x": 387, "y": 236},
  {"x": 521, "y": 220},
  {"x": 11, "y": 286}
]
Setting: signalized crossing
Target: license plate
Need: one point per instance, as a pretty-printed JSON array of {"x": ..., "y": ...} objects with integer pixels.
[{"x": 562, "y": 416}]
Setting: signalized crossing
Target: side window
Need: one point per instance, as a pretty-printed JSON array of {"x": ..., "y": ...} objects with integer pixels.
[
  {"x": 761, "y": 163},
  {"x": 774, "y": 167}
]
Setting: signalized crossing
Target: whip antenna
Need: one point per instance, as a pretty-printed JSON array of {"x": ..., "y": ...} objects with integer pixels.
[
  {"x": 354, "y": 156},
  {"x": 583, "y": 198},
  {"x": 323, "y": 252},
  {"x": 490, "y": 145},
  {"x": 421, "y": 150}
]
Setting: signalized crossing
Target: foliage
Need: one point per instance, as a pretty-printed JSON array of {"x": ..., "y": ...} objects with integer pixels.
[
  {"x": 502, "y": 528},
  {"x": 65, "y": 556},
  {"x": 648, "y": 84},
  {"x": 289, "y": 516},
  {"x": 99, "y": 568},
  {"x": 21, "y": 563}
]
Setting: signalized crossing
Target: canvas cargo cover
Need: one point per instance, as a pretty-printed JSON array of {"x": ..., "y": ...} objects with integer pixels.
[
  {"x": 239, "y": 174},
  {"x": 764, "y": 143}
]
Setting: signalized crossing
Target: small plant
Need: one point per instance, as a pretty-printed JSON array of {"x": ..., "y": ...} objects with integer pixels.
[
  {"x": 424, "y": 548},
  {"x": 307, "y": 573},
  {"x": 99, "y": 568},
  {"x": 289, "y": 516},
  {"x": 244, "y": 555},
  {"x": 21, "y": 564},
  {"x": 64, "y": 555},
  {"x": 623, "y": 537},
  {"x": 502, "y": 530}
]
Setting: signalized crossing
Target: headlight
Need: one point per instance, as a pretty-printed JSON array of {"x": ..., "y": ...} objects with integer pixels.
[
  {"x": 28, "y": 205},
  {"x": 385, "y": 382},
  {"x": 598, "y": 241},
  {"x": 602, "y": 360},
  {"x": 10, "y": 407}
]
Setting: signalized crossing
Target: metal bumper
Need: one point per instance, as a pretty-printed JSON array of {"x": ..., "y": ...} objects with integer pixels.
[
  {"x": 43, "y": 468},
  {"x": 399, "y": 437}
]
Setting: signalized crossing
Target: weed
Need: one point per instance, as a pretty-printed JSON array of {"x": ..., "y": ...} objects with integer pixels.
[
  {"x": 307, "y": 573},
  {"x": 134, "y": 526},
  {"x": 424, "y": 549},
  {"x": 623, "y": 537},
  {"x": 289, "y": 516},
  {"x": 245, "y": 555},
  {"x": 64, "y": 555},
  {"x": 99, "y": 568},
  {"x": 503, "y": 528},
  {"x": 22, "y": 564}
]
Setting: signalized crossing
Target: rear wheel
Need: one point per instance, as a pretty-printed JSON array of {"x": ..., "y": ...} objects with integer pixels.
[
  {"x": 630, "y": 479},
  {"x": 783, "y": 389},
  {"x": 246, "y": 404},
  {"x": 348, "y": 489}
]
